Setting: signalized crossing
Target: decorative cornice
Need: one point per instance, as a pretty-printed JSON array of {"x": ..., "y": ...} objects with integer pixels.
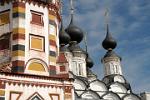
[
  {"x": 53, "y": 8},
  {"x": 60, "y": 82},
  {"x": 36, "y": 84},
  {"x": 54, "y": 78}
]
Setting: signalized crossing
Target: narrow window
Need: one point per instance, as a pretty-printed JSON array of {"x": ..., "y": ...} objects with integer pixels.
[
  {"x": 5, "y": 48},
  {"x": 74, "y": 68},
  {"x": 37, "y": 18},
  {"x": 4, "y": 17},
  {"x": 116, "y": 67},
  {"x": 37, "y": 42},
  {"x": 62, "y": 69},
  {"x": 5, "y": 41},
  {"x": 80, "y": 69}
]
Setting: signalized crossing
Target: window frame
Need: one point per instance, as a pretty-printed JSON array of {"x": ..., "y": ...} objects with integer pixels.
[
  {"x": 38, "y": 14},
  {"x": 3, "y": 12},
  {"x": 39, "y": 37}
]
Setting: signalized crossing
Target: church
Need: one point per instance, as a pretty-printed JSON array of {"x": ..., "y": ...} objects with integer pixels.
[{"x": 42, "y": 60}]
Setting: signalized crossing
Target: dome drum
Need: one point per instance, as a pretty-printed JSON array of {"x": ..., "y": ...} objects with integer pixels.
[{"x": 76, "y": 49}]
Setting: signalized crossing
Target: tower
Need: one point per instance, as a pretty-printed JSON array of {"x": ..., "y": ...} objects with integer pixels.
[
  {"x": 29, "y": 49},
  {"x": 33, "y": 35},
  {"x": 77, "y": 62},
  {"x": 113, "y": 76},
  {"x": 111, "y": 60}
]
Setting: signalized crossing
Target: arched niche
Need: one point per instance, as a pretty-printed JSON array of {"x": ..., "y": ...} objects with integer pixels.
[
  {"x": 37, "y": 67},
  {"x": 111, "y": 96},
  {"x": 131, "y": 97},
  {"x": 98, "y": 86},
  {"x": 90, "y": 95}
]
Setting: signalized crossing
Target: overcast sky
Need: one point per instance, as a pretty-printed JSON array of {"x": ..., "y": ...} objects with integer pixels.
[{"x": 129, "y": 22}]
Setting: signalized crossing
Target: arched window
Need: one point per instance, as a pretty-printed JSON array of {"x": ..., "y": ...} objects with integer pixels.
[
  {"x": 37, "y": 67},
  {"x": 80, "y": 71}
]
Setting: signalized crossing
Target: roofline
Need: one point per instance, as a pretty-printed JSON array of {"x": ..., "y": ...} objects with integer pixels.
[{"x": 39, "y": 77}]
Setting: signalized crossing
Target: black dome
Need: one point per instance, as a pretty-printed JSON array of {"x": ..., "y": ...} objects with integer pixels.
[
  {"x": 64, "y": 38},
  {"x": 89, "y": 62},
  {"x": 75, "y": 32},
  {"x": 109, "y": 42}
]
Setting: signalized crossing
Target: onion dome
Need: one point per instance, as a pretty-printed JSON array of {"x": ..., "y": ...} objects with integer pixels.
[
  {"x": 109, "y": 43},
  {"x": 75, "y": 32},
  {"x": 64, "y": 38},
  {"x": 89, "y": 62}
]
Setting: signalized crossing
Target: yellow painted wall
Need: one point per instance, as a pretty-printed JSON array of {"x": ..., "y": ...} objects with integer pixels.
[
  {"x": 2, "y": 92},
  {"x": 52, "y": 17},
  {"x": 4, "y": 18},
  {"x": 18, "y": 53},
  {"x": 37, "y": 43},
  {"x": 52, "y": 59},
  {"x": 19, "y": 30},
  {"x": 18, "y": 9},
  {"x": 52, "y": 37}
]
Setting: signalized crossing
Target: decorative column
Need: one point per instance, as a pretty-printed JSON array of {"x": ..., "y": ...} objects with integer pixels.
[{"x": 18, "y": 37}]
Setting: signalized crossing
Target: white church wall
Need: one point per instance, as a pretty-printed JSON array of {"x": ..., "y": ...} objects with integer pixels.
[
  {"x": 36, "y": 30},
  {"x": 24, "y": 87},
  {"x": 79, "y": 66},
  {"x": 145, "y": 96}
]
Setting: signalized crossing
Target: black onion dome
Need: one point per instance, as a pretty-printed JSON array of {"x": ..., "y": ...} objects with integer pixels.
[
  {"x": 64, "y": 38},
  {"x": 75, "y": 32},
  {"x": 89, "y": 62},
  {"x": 109, "y": 43}
]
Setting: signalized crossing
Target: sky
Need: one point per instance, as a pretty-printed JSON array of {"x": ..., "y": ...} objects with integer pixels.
[{"x": 129, "y": 23}]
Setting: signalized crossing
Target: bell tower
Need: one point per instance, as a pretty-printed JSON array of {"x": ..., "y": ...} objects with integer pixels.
[
  {"x": 110, "y": 60},
  {"x": 29, "y": 35}
]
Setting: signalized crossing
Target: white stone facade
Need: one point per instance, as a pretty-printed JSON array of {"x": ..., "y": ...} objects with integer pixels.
[{"x": 26, "y": 86}]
